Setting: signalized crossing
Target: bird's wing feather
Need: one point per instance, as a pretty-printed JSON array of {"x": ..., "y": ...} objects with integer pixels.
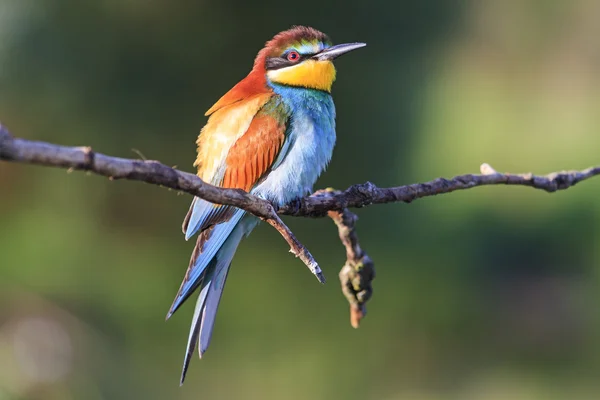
[
  {"x": 253, "y": 154},
  {"x": 202, "y": 215},
  {"x": 216, "y": 141},
  {"x": 248, "y": 160},
  {"x": 236, "y": 160}
]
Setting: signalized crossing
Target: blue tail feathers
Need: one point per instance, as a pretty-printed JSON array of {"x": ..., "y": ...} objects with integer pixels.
[
  {"x": 213, "y": 282},
  {"x": 210, "y": 247}
]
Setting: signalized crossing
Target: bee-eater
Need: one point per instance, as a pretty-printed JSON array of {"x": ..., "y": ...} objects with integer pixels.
[{"x": 271, "y": 135}]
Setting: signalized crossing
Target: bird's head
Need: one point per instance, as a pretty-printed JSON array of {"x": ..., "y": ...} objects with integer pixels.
[{"x": 301, "y": 57}]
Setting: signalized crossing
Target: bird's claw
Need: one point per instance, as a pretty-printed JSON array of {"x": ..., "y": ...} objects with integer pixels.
[{"x": 295, "y": 205}]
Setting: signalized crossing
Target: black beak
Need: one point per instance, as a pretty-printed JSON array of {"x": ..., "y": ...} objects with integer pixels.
[{"x": 333, "y": 52}]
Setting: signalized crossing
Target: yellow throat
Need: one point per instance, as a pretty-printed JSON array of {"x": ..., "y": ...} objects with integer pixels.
[{"x": 309, "y": 74}]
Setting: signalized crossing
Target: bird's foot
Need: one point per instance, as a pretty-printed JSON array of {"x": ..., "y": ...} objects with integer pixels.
[{"x": 295, "y": 205}]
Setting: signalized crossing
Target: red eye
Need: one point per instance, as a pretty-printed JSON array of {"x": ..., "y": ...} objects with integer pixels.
[{"x": 293, "y": 56}]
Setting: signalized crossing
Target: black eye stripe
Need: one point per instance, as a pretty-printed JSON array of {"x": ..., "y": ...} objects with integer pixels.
[
  {"x": 282, "y": 62},
  {"x": 276, "y": 63}
]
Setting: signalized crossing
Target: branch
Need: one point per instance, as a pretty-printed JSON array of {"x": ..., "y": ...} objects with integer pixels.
[
  {"x": 359, "y": 271},
  {"x": 84, "y": 158},
  {"x": 365, "y": 194},
  {"x": 317, "y": 205},
  {"x": 320, "y": 204}
]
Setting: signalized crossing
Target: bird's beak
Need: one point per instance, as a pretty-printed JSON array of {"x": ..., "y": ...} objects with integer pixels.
[{"x": 333, "y": 52}]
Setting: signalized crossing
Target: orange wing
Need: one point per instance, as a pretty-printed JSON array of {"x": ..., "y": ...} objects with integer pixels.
[
  {"x": 223, "y": 129},
  {"x": 254, "y": 153},
  {"x": 248, "y": 159}
]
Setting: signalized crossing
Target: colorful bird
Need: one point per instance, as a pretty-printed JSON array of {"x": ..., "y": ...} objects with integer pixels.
[{"x": 271, "y": 135}]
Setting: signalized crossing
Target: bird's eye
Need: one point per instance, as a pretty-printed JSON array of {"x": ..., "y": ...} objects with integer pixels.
[{"x": 293, "y": 56}]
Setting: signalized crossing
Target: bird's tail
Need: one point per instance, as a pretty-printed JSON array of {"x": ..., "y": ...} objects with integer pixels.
[{"x": 212, "y": 281}]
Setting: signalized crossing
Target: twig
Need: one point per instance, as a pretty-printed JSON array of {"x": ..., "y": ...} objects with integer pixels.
[
  {"x": 365, "y": 194},
  {"x": 296, "y": 248},
  {"x": 359, "y": 271}
]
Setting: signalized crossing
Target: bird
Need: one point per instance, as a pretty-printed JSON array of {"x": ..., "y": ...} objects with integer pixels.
[{"x": 271, "y": 135}]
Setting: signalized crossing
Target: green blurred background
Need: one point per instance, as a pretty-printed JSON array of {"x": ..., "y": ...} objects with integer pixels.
[{"x": 490, "y": 293}]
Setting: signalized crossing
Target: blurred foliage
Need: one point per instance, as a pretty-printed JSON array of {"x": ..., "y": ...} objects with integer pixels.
[{"x": 489, "y": 293}]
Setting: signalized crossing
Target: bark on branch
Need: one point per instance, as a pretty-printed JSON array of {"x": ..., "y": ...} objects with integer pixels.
[{"x": 359, "y": 268}]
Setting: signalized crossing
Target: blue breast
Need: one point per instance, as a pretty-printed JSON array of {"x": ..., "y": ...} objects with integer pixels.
[{"x": 310, "y": 139}]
